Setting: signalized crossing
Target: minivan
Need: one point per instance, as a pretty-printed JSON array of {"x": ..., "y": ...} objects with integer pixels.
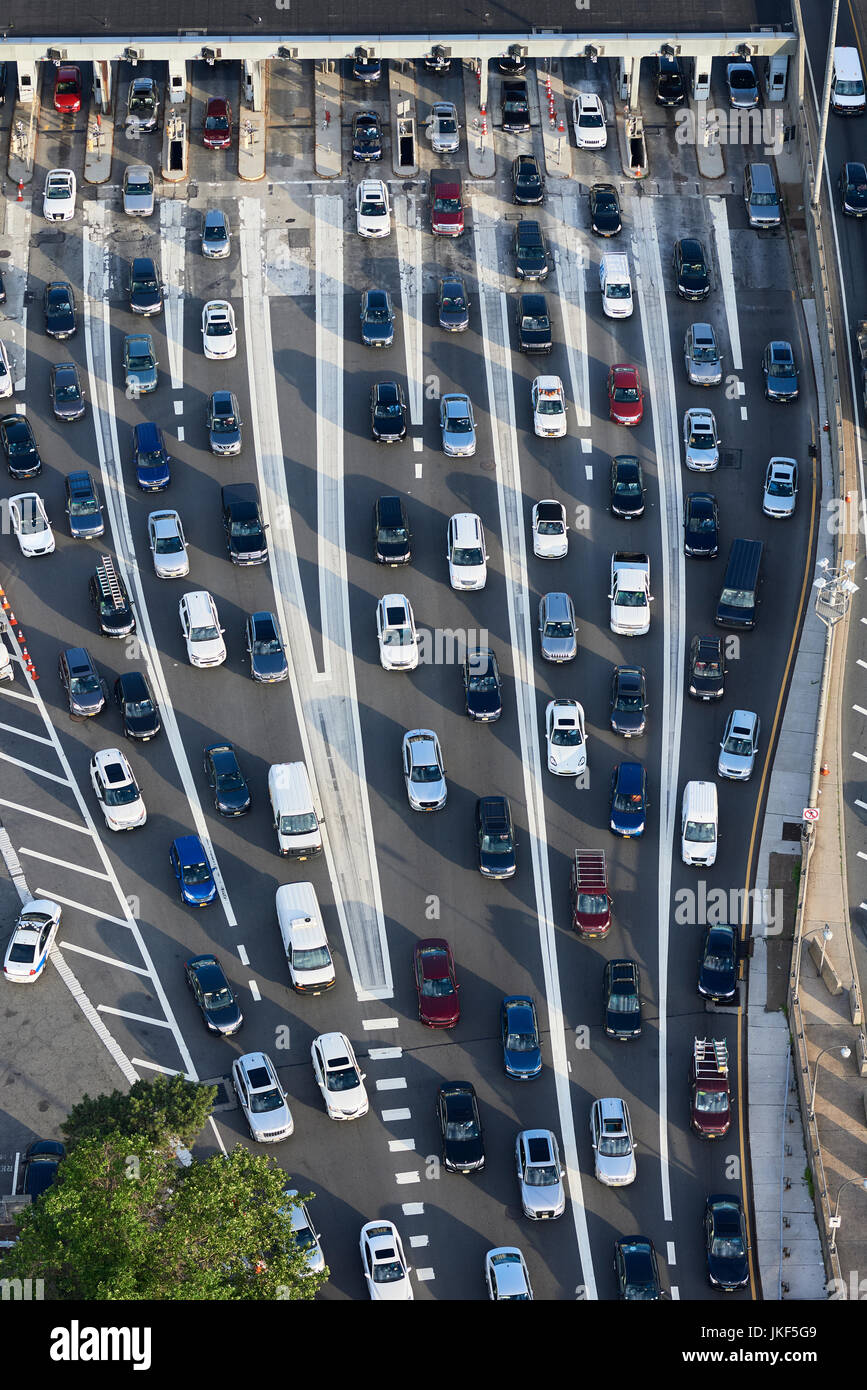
[
  {"x": 616, "y": 286},
  {"x": 311, "y": 968},
  {"x": 847, "y": 83},
  {"x": 738, "y": 601},
  {"x": 699, "y": 824},
  {"x": 760, "y": 196},
  {"x": 295, "y": 819}
]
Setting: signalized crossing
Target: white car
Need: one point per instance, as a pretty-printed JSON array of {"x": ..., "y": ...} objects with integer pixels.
[
  {"x": 700, "y": 440},
  {"x": 550, "y": 530},
  {"x": 6, "y": 383},
  {"x": 781, "y": 488},
  {"x": 372, "y": 208},
  {"x": 116, "y": 790},
  {"x": 168, "y": 545},
  {"x": 339, "y": 1077},
  {"x": 423, "y": 770},
  {"x": 395, "y": 628},
  {"x": 588, "y": 119},
  {"x": 58, "y": 203},
  {"x": 31, "y": 941},
  {"x": 262, "y": 1098},
  {"x": 442, "y": 128},
  {"x": 740, "y": 744},
  {"x": 304, "y": 1235},
  {"x": 466, "y": 554},
  {"x": 200, "y": 625},
  {"x": 613, "y": 1145},
  {"x": 549, "y": 407},
  {"x": 506, "y": 1274},
  {"x": 564, "y": 733},
  {"x": 218, "y": 330},
  {"x": 29, "y": 520},
  {"x": 385, "y": 1268}
]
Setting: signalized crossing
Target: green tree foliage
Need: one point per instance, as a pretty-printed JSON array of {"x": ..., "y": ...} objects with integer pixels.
[{"x": 164, "y": 1110}]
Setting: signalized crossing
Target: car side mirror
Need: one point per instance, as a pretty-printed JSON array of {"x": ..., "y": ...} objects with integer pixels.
[{"x": 222, "y": 629}]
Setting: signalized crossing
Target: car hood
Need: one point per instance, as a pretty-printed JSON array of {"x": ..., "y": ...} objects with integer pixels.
[
  {"x": 398, "y": 1291},
  {"x": 200, "y": 892},
  {"x": 248, "y": 545},
  {"x": 378, "y": 332},
  {"x": 441, "y": 1007},
  {"x": 234, "y": 799},
  {"x": 389, "y": 426},
  {"x": 543, "y": 1199},
  {"x": 454, "y": 318},
  {"x": 138, "y": 202},
  {"x": 715, "y": 981},
  {"x": 226, "y": 1019},
  {"x": 269, "y": 664},
  {"x": 569, "y": 760},
  {"x": 143, "y": 724},
  {"x": 705, "y": 371},
  {"x": 127, "y": 815},
  {"x": 729, "y": 1272},
  {"x": 616, "y": 1170},
  {"x": 465, "y": 1153},
  {"x": 628, "y": 721},
  {"x": 460, "y": 441},
  {"x": 622, "y": 1023},
  {"x": 627, "y": 820},
  {"x": 523, "y": 1063},
  {"x": 735, "y": 762},
  {"x": 707, "y": 684},
  {"x": 91, "y": 702},
  {"x": 497, "y": 865},
  {"x": 606, "y": 220},
  {"x": 559, "y": 648},
  {"x": 783, "y": 385},
  {"x": 428, "y": 793},
  {"x": 483, "y": 701},
  {"x": 153, "y": 473}
]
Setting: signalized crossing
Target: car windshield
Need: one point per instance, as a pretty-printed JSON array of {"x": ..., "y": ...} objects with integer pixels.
[
  {"x": 218, "y": 998},
  {"x": 706, "y": 668},
  {"x": 517, "y": 104},
  {"x": 703, "y": 831},
  {"x": 223, "y": 424},
  {"x": 852, "y": 88},
  {"x": 314, "y": 958},
  {"x": 591, "y": 903},
  {"x": 246, "y": 528},
  {"x": 631, "y": 598},
  {"x": 626, "y": 393},
  {"x": 459, "y": 424},
  {"x": 30, "y": 520},
  {"x": 529, "y": 253},
  {"x": 482, "y": 685},
  {"x": 703, "y": 354},
  {"x": 343, "y": 1079},
  {"x": 194, "y": 874},
  {"x": 497, "y": 844},
  {"x": 700, "y": 522},
  {"x": 388, "y": 409},
  {"x": 541, "y": 1175},
  {"x": 205, "y": 633},
  {"x": 763, "y": 200},
  {"x": 606, "y": 202},
  {"x": 83, "y": 506},
  {"x": 462, "y": 1129},
  {"x": 427, "y": 772},
  {"x": 147, "y": 282},
  {"x": 68, "y": 86},
  {"x": 302, "y": 824},
  {"x": 365, "y": 126},
  {"x": 442, "y": 204},
  {"x": 392, "y": 535},
  {"x": 218, "y": 328},
  {"x": 372, "y": 207},
  {"x": 215, "y": 231},
  {"x": 614, "y": 1146},
  {"x": 555, "y": 629},
  {"x": 529, "y": 177},
  {"x": 228, "y": 781},
  {"x": 168, "y": 545},
  {"x": 737, "y": 598},
  {"x": 738, "y": 747},
  {"x": 261, "y": 1102},
  {"x": 121, "y": 796},
  {"x": 138, "y": 186},
  {"x": 623, "y": 1004},
  {"x": 397, "y": 637},
  {"x": 728, "y": 1247},
  {"x": 142, "y": 100},
  {"x": 627, "y": 801},
  {"x": 387, "y": 1272},
  {"x": 628, "y": 702},
  {"x": 220, "y": 122},
  {"x": 377, "y": 313},
  {"x": 567, "y": 738},
  {"x": 536, "y": 323},
  {"x": 693, "y": 268},
  {"x": 453, "y": 302},
  {"x": 139, "y": 360},
  {"x": 781, "y": 369},
  {"x": 779, "y": 487},
  {"x": 711, "y": 1102},
  {"x": 84, "y": 685},
  {"x": 437, "y": 989},
  {"x": 267, "y": 646},
  {"x": 467, "y": 555},
  {"x": 701, "y": 439},
  {"x": 549, "y": 405},
  {"x": 590, "y": 120},
  {"x": 67, "y": 392},
  {"x": 58, "y": 190},
  {"x": 621, "y": 291},
  {"x": 521, "y": 1042},
  {"x": 136, "y": 709},
  {"x": 447, "y": 125},
  {"x": 743, "y": 78},
  {"x": 714, "y": 962},
  {"x": 628, "y": 487}
]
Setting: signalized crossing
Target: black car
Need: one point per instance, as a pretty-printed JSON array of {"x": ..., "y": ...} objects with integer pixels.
[
  {"x": 482, "y": 685},
  {"x": 109, "y": 597},
  {"x": 605, "y": 219},
  {"x": 670, "y": 87},
  {"x": 718, "y": 965},
  {"x": 366, "y": 136},
  {"x": 515, "y": 106},
  {"x": 2, "y": 289},
  {"x": 725, "y": 1243},
  {"x": 242, "y": 523},
  {"x": 58, "y": 306},
  {"x": 453, "y": 306},
  {"x": 265, "y": 650},
  {"x": 460, "y": 1127},
  {"x": 367, "y": 69},
  {"x": 627, "y": 487},
  {"x": 780, "y": 372},
  {"x": 534, "y": 323},
  {"x": 392, "y": 538},
  {"x": 223, "y": 423},
  {"x": 531, "y": 252},
  {"x": 438, "y": 60},
  {"x": 213, "y": 994},
  {"x": 139, "y": 711},
  {"x": 377, "y": 319},
  {"x": 701, "y": 526},
  {"x": 621, "y": 982},
  {"x": 628, "y": 701},
  {"x": 495, "y": 836},
  {"x": 41, "y": 1162},
  {"x": 83, "y": 507},
  {"x": 636, "y": 1269},
  {"x": 707, "y": 669},
  {"x": 226, "y": 780},
  {"x": 387, "y": 412},
  {"x": 527, "y": 182},
  {"x": 65, "y": 391},
  {"x": 691, "y": 277},
  {"x": 85, "y": 688},
  {"x": 853, "y": 190},
  {"x": 145, "y": 290},
  {"x": 19, "y": 446},
  {"x": 512, "y": 63}
]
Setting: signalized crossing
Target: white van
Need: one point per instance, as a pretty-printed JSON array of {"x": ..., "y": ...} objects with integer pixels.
[
  {"x": 616, "y": 285},
  {"x": 847, "y": 83},
  {"x": 311, "y": 968},
  {"x": 295, "y": 818},
  {"x": 699, "y": 824}
]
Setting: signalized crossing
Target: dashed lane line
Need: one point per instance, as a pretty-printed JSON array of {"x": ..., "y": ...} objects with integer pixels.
[
  {"x": 413, "y": 1208},
  {"x": 410, "y": 262},
  {"x": 390, "y": 1117},
  {"x": 369, "y": 1024},
  {"x": 406, "y": 1179},
  {"x": 719, "y": 216},
  {"x": 570, "y": 278},
  {"x": 392, "y": 1083}
]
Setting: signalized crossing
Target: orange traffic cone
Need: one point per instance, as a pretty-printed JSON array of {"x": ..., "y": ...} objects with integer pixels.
[{"x": 20, "y": 198}]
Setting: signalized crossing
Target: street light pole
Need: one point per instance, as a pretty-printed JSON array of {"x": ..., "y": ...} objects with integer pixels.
[
  {"x": 835, "y": 1219},
  {"x": 826, "y": 106},
  {"x": 845, "y": 1052}
]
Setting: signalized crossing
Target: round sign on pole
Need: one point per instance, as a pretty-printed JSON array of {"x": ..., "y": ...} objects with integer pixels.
[{"x": 811, "y": 813}]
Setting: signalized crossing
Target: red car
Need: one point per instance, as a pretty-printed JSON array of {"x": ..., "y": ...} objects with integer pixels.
[
  {"x": 625, "y": 396},
  {"x": 436, "y": 983},
  {"x": 67, "y": 89},
  {"x": 217, "y": 133},
  {"x": 710, "y": 1101}
]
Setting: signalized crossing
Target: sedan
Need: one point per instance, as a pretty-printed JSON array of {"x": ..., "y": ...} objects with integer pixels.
[
  {"x": 58, "y": 200},
  {"x": 463, "y": 1145},
  {"x": 533, "y": 323},
  {"x": 31, "y": 940},
  {"x": 193, "y": 872},
  {"x": 565, "y": 738},
  {"x": 226, "y": 780},
  {"x": 453, "y": 306},
  {"x": 139, "y": 711},
  {"x": 217, "y": 131},
  {"x": 558, "y": 631},
  {"x": 621, "y": 999},
  {"x": 605, "y": 218},
  {"x": 138, "y": 190},
  {"x": 726, "y": 1244},
  {"x": 372, "y": 209},
  {"x": 19, "y": 446},
  {"x": 85, "y": 689},
  {"x": 367, "y": 70},
  {"x": 528, "y": 186},
  {"x": 701, "y": 356},
  {"x": 265, "y": 650},
  {"x": 377, "y": 319},
  {"x": 30, "y": 525},
  {"x": 458, "y": 426},
  {"x": 366, "y": 136},
  {"x": 387, "y": 412},
  {"x": 670, "y": 87},
  {"x": 436, "y": 983},
  {"x": 780, "y": 372},
  {"x": 626, "y": 487},
  {"x": 423, "y": 771},
  {"x": 540, "y": 1175},
  {"x": 67, "y": 89},
  {"x": 506, "y": 1275},
  {"x": 700, "y": 440},
  {"x": 65, "y": 391},
  {"x": 636, "y": 1269},
  {"x": 117, "y": 790},
  {"x": 548, "y": 400},
  {"x": 213, "y": 994},
  {"x": 339, "y": 1077},
  {"x": 629, "y": 701},
  {"x": 386, "y": 1271},
  {"x": 392, "y": 536},
  {"x": 482, "y": 685},
  {"x": 442, "y": 128},
  {"x": 853, "y": 189},
  {"x": 168, "y": 545},
  {"x": 219, "y": 338},
  {"x": 139, "y": 363},
  {"x": 142, "y": 106},
  {"x": 781, "y": 488},
  {"x": 743, "y": 85},
  {"x": 7, "y": 386},
  {"x": 588, "y": 121},
  {"x": 701, "y": 525},
  {"x": 58, "y": 307},
  {"x": 691, "y": 277},
  {"x": 396, "y": 633},
  {"x": 628, "y": 800},
  {"x": 740, "y": 744},
  {"x": 707, "y": 669},
  {"x": 519, "y": 1035},
  {"x": 495, "y": 837},
  {"x": 223, "y": 423},
  {"x": 550, "y": 530},
  {"x": 304, "y": 1237},
  {"x": 718, "y": 965},
  {"x": 215, "y": 235},
  {"x": 625, "y": 395},
  {"x": 612, "y": 1142}
]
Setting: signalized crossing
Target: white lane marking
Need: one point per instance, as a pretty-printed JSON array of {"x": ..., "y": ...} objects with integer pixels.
[
  {"x": 858, "y": 709},
  {"x": 15, "y": 1172},
  {"x": 106, "y": 960},
  {"x": 13, "y": 865},
  {"x": 172, "y": 246},
  {"x": 671, "y": 1257},
  {"x": 22, "y": 733},
  {"x": 675, "y": 1293},
  {"x": 862, "y": 804},
  {"x": 859, "y": 662},
  {"x": 586, "y": 445},
  {"x": 570, "y": 278},
  {"x": 418, "y": 1242},
  {"x": 392, "y": 1083},
  {"x": 419, "y": 470},
  {"x": 743, "y": 412},
  {"x": 124, "y": 1063},
  {"x": 28, "y": 767},
  {"x": 164, "y": 1071},
  {"x": 93, "y": 912},
  {"x": 409, "y": 264},
  {"x": 391, "y": 1116},
  {"x": 329, "y": 410},
  {"x": 413, "y": 1208},
  {"x": 43, "y": 815},
  {"x": 372, "y": 1023},
  {"x": 382, "y": 1054},
  {"x": 242, "y": 955},
  {"x": 63, "y": 863},
  {"x": 719, "y": 218},
  {"x": 136, "y": 1018},
  {"x": 588, "y": 472},
  {"x": 403, "y": 1179},
  {"x": 861, "y": 854},
  {"x": 863, "y": 905},
  {"x": 179, "y": 407},
  {"x": 400, "y": 1146},
  {"x": 860, "y": 756},
  {"x": 424, "y": 1276},
  {"x": 180, "y": 434},
  {"x": 16, "y": 694},
  {"x": 254, "y": 990},
  {"x": 417, "y": 444}
]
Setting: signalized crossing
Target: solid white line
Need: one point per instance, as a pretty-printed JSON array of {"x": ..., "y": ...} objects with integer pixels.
[
  {"x": 22, "y": 733},
  {"x": 858, "y": 709},
  {"x": 418, "y": 1242},
  {"x": 136, "y": 1018},
  {"x": 164, "y": 1071},
  {"x": 373, "y": 1023},
  {"x": 671, "y": 1257},
  {"x": 719, "y": 217},
  {"x": 424, "y": 1276},
  {"x": 403, "y": 1179},
  {"x": 126, "y": 1065},
  {"x": 570, "y": 277},
  {"x": 413, "y": 1209},
  {"x": 83, "y": 907},
  {"x": 242, "y": 955},
  {"x": 107, "y": 960},
  {"x": 43, "y": 815},
  {"x": 254, "y": 990},
  {"x": 382, "y": 1054},
  {"x": 400, "y": 1146},
  {"x": 28, "y": 767},
  {"x": 64, "y": 864},
  {"x": 15, "y": 1172},
  {"x": 329, "y": 409},
  {"x": 392, "y": 1083},
  {"x": 410, "y": 261},
  {"x": 391, "y": 1116}
]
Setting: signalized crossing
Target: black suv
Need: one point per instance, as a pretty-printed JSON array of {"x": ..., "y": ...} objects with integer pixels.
[
  {"x": 531, "y": 252},
  {"x": 110, "y": 599},
  {"x": 534, "y": 323},
  {"x": 628, "y": 701},
  {"x": 139, "y": 711},
  {"x": 621, "y": 983},
  {"x": 527, "y": 183},
  {"x": 482, "y": 685},
  {"x": 707, "y": 669},
  {"x": 670, "y": 88},
  {"x": 387, "y": 412},
  {"x": 718, "y": 965},
  {"x": 627, "y": 487},
  {"x": 58, "y": 306},
  {"x": 145, "y": 290},
  {"x": 637, "y": 1270},
  {"x": 605, "y": 219},
  {"x": 19, "y": 445},
  {"x": 377, "y": 319},
  {"x": 495, "y": 837},
  {"x": 366, "y": 136},
  {"x": 265, "y": 650},
  {"x": 691, "y": 278},
  {"x": 85, "y": 689},
  {"x": 83, "y": 506},
  {"x": 392, "y": 538},
  {"x": 516, "y": 107},
  {"x": 245, "y": 534}
]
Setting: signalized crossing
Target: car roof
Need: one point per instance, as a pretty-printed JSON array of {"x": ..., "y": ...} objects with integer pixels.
[
  {"x": 142, "y": 263},
  {"x": 147, "y": 431},
  {"x": 702, "y": 330},
  {"x": 335, "y": 1046},
  {"x": 495, "y": 809},
  {"x": 557, "y": 604},
  {"x": 189, "y": 849},
  {"x": 133, "y": 684},
  {"x": 630, "y": 775},
  {"x": 533, "y": 302},
  {"x": 467, "y": 525},
  {"x": 528, "y": 229}
]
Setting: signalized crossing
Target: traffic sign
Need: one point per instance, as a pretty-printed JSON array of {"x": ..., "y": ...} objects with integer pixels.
[{"x": 811, "y": 813}]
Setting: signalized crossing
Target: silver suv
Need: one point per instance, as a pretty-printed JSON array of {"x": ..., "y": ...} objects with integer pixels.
[
  {"x": 540, "y": 1174},
  {"x": 262, "y": 1098},
  {"x": 701, "y": 356},
  {"x": 740, "y": 744},
  {"x": 613, "y": 1145},
  {"x": 558, "y": 632}
]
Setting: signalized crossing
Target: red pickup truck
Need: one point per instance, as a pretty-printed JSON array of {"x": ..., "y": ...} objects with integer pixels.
[{"x": 588, "y": 892}]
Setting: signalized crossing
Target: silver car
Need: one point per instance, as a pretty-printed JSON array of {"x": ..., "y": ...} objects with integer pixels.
[
  {"x": 443, "y": 128},
  {"x": 215, "y": 235},
  {"x": 540, "y": 1175},
  {"x": 423, "y": 770},
  {"x": 138, "y": 190},
  {"x": 558, "y": 633},
  {"x": 781, "y": 488},
  {"x": 168, "y": 545},
  {"x": 306, "y": 1238},
  {"x": 143, "y": 105},
  {"x": 701, "y": 356},
  {"x": 613, "y": 1145},
  {"x": 700, "y": 441},
  {"x": 740, "y": 744},
  {"x": 262, "y": 1098},
  {"x": 458, "y": 426}
]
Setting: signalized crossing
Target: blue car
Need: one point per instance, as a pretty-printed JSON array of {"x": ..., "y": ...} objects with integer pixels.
[
  {"x": 193, "y": 872},
  {"x": 83, "y": 506},
  {"x": 628, "y": 800},
  {"x": 519, "y": 1031},
  {"x": 150, "y": 457}
]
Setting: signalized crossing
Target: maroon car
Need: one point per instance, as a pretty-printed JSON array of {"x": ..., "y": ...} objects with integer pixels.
[
  {"x": 435, "y": 980},
  {"x": 217, "y": 132},
  {"x": 710, "y": 1101},
  {"x": 625, "y": 396}
]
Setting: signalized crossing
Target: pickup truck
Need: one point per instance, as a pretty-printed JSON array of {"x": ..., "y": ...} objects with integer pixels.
[
  {"x": 630, "y": 593},
  {"x": 588, "y": 893},
  {"x": 516, "y": 107},
  {"x": 710, "y": 1096}
]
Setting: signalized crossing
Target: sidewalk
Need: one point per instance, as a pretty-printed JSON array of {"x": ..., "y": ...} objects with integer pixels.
[
  {"x": 481, "y": 160},
  {"x": 556, "y": 143},
  {"x": 100, "y": 144},
  {"x": 327, "y": 117}
]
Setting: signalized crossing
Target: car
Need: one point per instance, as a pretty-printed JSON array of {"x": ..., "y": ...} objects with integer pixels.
[
  {"x": 30, "y": 525},
  {"x": 528, "y": 186},
  {"x": 718, "y": 965},
  {"x": 387, "y": 412},
  {"x": 212, "y": 992},
  {"x": 442, "y": 127},
  {"x": 217, "y": 129},
  {"x": 550, "y": 530},
  {"x": 519, "y": 1035},
  {"x": 625, "y": 394},
  {"x": 588, "y": 122},
  {"x": 726, "y": 1243},
  {"x": 458, "y": 425},
  {"x": 142, "y": 106},
  {"x": 58, "y": 199},
  {"x": 495, "y": 837},
  {"x": 304, "y": 1236},
  {"x": 780, "y": 372},
  {"x": 7, "y": 386},
  {"x": 670, "y": 86},
  {"x": 707, "y": 668},
  {"x": 446, "y": 203},
  {"x": 139, "y": 364},
  {"x": 630, "y": 593},
  {"x": 701, "y": 525},
  {"x": 453, "y": 306},
  {"x": 605, "y": 216},
  {"x": 629, "y": 701},
  {"x": 534, "y": 323},
  {"x": 242, "y": 524},
  {"x": 108, "y": 595},
  {"x": 58, "y": 308},
  {"x": 366, "y": 136},
  {"x": 626, "y": 487},
  {"x": 396, "y": 632},
  {"x": 377, "y": 319},
  {"x": 216, "y": 242},
  {"x": 506, "y": 1275},
  {"x": 437, "y": 60},
  {"x": 565, "y": 738},
  {"x": 139, "y": 711},
  {"x": 531, "y": 251},
  {"x": 2, "y": 289},
  {"x": 19, "y": 446},
  {"x": 621, "y": 999},
  {"x": 138, "y": 190},
  {"x": 265, "y": 651},
  {"x": 223, "y": 423},
  {"x": 466, "y": 552},
  {"x": 192, "y": 870},
  {"x": 67, "y": 89},
  {"x": 515, "y": 106},
  {"x": 691, "y": 275},
  {"x": 367, "y": 70},
  {"x": 540, "y": 1175},
  {"x": 423, "y": 771},
  {"x": 781, "y": 488},
  {"x": 700, "y": 440},
  {"x": 463, "y": 1145},
  {"x": 339, "y": 1077},
  {"x": 42, "y": 1160},
  {"x": 392, "y": 537},
  {"x": 65, "y": 391},
  {"x": 386, "y": 1271},
  {"x": 743, "y": 85},
  {"x": 637, "y": 1270},
  {"x": 701, "y": 356},
  {"x": 85, "y": 688},
  {"x": 168, "y": 545},
  {"x": 853, "y": 189},
  {"x": 200, "y": 627},
  {"x": 226, "y": 780},
  {"x": 262, "y": 1098},
  {"x": 628, "y": 800},
  {"x": 219, "y": 338},
  {"x": 31, "y": 940},
  {"x": 612, "y": 1142},
  {"x": 145, "y": 290},
  {"x": 548, "y": 400},
  {"x": 513, "y": 62},
  {"x": 740, "y": 744},
  {"x": 436, "y": 983},
  {"x": 117, "y": 790},
  {"x": 372, "y": 209},
  {"x": 150, "y": 458},
  {"x": 558, "y": 631},
  {"x": 482, "y": 685}
]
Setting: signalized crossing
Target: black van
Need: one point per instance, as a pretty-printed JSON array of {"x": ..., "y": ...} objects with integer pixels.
[{"x": 738, "y": 602}]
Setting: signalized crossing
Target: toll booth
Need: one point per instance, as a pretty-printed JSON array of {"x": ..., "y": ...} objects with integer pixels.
[
  {"x": 776, "y": 75},
  {"x": 701, "y": 79},
  {"x": 26, "y": 80}
]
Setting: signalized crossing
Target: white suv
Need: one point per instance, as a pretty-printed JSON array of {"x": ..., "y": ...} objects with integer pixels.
[
  {"x": 339, "y": 1077},
  {"x": 262, "y": 1098},
  {"x": 467, "y": 557},
  {"x": 372, "y": 208},
  {"x": 116, "y": 790},
  {"x": 200, "y": 624}
]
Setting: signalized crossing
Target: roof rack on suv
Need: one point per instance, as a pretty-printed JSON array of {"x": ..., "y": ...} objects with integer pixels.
[
  {"x": 106, "y": 575},
  {"x": 711, "y": 1058}
]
